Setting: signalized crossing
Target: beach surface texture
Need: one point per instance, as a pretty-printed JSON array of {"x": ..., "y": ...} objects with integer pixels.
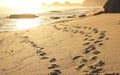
[{"x": 87, "y": 46}]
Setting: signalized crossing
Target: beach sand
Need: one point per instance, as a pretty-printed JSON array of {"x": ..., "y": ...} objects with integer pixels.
[{"x": 87, "y": 46}]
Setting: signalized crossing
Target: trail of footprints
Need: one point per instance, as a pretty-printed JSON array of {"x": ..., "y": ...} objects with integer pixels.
[
  {"x": 43, "y": 56},
  {"x": 91, "y": 44}
]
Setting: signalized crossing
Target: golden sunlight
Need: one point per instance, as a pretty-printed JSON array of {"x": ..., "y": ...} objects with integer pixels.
[
  {"x": 32, "y": 6},
  {"x": 26, "y": 6},
  {"x": 27, "y": 23},
  {"x": 63, "y": 1}
]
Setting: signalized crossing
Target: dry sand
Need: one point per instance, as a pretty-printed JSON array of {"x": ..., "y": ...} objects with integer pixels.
[{"x": 88, "y": 46}]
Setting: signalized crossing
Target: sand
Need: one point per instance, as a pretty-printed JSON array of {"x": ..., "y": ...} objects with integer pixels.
[{"x": 87, "y": 46}]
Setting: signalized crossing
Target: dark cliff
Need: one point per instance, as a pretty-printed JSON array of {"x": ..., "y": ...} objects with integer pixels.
[{"x": 112, "y": 6}]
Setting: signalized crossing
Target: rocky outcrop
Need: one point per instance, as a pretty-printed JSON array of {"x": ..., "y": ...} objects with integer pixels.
[
  {"x": 18, "y": 16},
  {"x": 112, "y": 6}
]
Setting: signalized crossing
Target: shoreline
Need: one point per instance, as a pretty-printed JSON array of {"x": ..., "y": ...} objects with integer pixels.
[
  {"x": 49, "y": 18},
  {"x": 67, "y": 47}
]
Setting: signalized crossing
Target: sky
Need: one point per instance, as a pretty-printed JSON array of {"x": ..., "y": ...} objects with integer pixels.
[
  {"x": 29, "y": 6},
  {"x": 62, "y": 1},
  {"x": 33, "y": 2}
]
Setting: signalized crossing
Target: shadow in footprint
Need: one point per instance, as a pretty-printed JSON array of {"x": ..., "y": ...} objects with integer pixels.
[
  {"x": 42, "y": 58},
  {"x": 43, "y": 54},
  {"x": 55, "y": 72},
  {"x": 86, "y": 43},
  {"x": 95, "y": 52},
  {"x": 93, "y": 58},
  {"x": 80, "y": 66},
  {"x": 52, "y": 60},
  {"x": 53, "y": 66},
  {"x": 83, "y": 61},
  {"x": 76, "y": 57},
  {"x": 100, "y": 63}
]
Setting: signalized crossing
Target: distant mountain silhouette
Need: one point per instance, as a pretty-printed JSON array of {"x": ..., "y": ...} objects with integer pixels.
[
  {"x": 67, "y": 3},
  {"x": 56, "y": 4},
  {"x": 94, "y": 2}
]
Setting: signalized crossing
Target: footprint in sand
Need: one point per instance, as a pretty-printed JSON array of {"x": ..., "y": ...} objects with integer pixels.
[
  {"x": 86, "y": 43},
  {"x": 96, "y": 52},
  {"x": 93, "y": 58},
  {"x": 88, "y": 35},
  {"x": 91, "y": 39},
  {"x": 86, "y": 51},
  {"x": 100, "y": 44},
  {"x": 92, "y": 67},
  {"x": 89, "y": 28},
  {"x": 1, "y": 41},
  {"x": 74, "y": 31},
  {"x": 76, "y": 57},
  {"x": 42, "y": 54},
  {"x": 112, "y": 74},
  {"x": 96, "y": 31},
  {"x": 85, "y": 27},
  {"x": 11, "y": 52},
  {"x": 85, "y": 39},
  {"x": 52, "y": 60},
  {"x": 107, "y": 38},
  {"x": 97, "y": 41},
  {"x": 90, "y": 49},
  {"x": 80, "y": 66},
  {"x": 83, "y": 61},
  {"x": 64, "y": 27},
  {"x": 100, "y": 63},
  {"x": 96, "y": 68},
  {"x": 118, "y": 23},
  {"x": 96, "y": 71},
  {"x": 53, "y": 66},
  {"x": 43, "y": 58},
  {"x": 25, "y": 37},
  {"x": 33, "y": 44},
  {"x": 101, "y": 36},
  {"x": 77, "y": 27},
  {"x": 55, "y": 72},
  {"x": 82, "y": 32},
  {"x": 38, "y": 51}
]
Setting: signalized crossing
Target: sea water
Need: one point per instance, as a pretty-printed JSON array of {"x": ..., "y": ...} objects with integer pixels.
[{"x": 45, "y": 14}]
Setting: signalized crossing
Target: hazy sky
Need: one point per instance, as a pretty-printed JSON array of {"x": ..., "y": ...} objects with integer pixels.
[
  {"x": 29, "y": 6},
  {"x": 15, "y": 2},
  {"x": 62, "y": 1}
]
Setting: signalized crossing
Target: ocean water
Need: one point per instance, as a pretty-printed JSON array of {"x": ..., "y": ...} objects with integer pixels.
[{"x": 45, "y": 14}]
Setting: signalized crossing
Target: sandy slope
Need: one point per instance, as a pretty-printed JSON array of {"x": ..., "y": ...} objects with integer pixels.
[{"x": 82, "y": 46}]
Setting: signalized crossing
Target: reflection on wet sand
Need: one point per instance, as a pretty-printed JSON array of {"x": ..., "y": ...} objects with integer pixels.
[{"x": 27, "y": 23}]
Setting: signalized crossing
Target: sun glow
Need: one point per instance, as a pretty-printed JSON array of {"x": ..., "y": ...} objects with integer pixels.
[
  {"x": 26, "y": 6},
  {"x": 27, "y": 23}
]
